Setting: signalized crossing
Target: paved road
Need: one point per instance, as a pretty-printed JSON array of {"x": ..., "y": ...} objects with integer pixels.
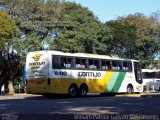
[{"x": 92, "y": 107}]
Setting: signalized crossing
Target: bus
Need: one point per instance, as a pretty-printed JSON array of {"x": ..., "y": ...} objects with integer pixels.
[
  {"x": 151, "y": 79},
  {"x": 77, "y": 74}
]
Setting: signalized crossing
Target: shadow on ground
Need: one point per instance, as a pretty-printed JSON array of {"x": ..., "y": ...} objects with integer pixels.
[{"x": 63, "y": 107}]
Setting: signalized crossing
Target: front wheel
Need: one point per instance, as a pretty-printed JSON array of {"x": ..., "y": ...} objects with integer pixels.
[{"x": 129, "y": 89}]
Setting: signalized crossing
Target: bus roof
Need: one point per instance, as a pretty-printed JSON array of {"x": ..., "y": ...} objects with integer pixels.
[
  {"x": 91, "y": 55},
  {"x": 86, "y": 55}
]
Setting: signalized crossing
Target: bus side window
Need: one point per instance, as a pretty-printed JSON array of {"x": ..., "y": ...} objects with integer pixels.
[
  {"x": 120, "y": 65},
  {"x": 103, "y": 65},
  {"x": 55, "y": 62},
  {"x": 77, "y": 63},
  {"x": 80, "y": 63},
  {"x": 84, "y": 63},
  {"x": 66, "y": 62},
  {"x": 96, "y": 64},
  {"x": 125, "y": 65},
  {"x": 69, "y": 63},
  {"x": 130, "y": 66},
  {"x": 106, "y": 65},
  {"x": 90, "y": 63},
  {"x": 114, "y": 65},
  {"x": 117, "y": 65},
  {"x": 63, "y": 62},
  {"x": 109, "y": 65}
]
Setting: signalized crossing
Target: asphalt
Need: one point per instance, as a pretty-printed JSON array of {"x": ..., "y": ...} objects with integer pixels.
[{"x": 24, "y": 95}]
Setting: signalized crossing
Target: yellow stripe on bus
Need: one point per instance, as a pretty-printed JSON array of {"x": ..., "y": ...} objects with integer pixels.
[{"x": 102, "y": 83}]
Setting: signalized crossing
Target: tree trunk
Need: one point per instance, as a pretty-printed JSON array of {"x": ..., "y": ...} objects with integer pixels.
[{"x": 10, "y": 88}]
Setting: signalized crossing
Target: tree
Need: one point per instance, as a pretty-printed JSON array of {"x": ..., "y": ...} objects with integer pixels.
[
  {"x": 63, "y": 25},
  {"x": 81, "y": 35},
  {"x": 7, "y": 27},
  {"x": 11, "y": 64},
  {"x": 105, "y": 38},
  {"x": 136, "y": 37}
]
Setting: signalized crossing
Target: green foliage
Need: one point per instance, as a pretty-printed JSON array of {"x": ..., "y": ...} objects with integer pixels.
[
  {"x": 6, "y": 28},
  {"x": 105, "y": 38},
  {"x": 136, "y": 37},
  {"x": 19, "y": 85},
  {"x": 26, "y": 44},
  {"x": 155, "y": 63},
  {"x": 74, "y": 27},
  {"x": 81, "y": 35}
]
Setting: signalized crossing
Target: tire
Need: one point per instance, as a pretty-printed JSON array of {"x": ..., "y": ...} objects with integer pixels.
[
  {"x": 83, "y": 90},
  {"x": 130, "y": 89},
  {"x": 73, "y": 91}
]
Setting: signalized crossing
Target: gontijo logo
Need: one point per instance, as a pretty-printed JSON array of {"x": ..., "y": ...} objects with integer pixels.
[{"x": 37, "y": 57}]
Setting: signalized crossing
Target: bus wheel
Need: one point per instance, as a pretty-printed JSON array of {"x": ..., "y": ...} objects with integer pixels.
[
  {"x": 130, "y": 89},
  {"x": 73, "y": 91},
  {"x": 83, "y": 90}
]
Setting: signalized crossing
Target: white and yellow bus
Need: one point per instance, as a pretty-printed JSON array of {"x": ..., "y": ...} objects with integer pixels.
[{"x": 80, "y": 73}]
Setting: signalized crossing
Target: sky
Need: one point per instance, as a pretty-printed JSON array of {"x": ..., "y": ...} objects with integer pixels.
[{"x": 107, "y": 10}]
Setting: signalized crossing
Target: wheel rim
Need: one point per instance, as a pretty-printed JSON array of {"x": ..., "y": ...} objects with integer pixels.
[
  {"x": 83, "y": 92},
  {"x": 72, "y": 91},
  {"x": 129, "y": 90}
]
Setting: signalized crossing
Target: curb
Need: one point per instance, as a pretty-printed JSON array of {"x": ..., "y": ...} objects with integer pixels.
[
  {"x": 139, "y": 95},
  {"x": 128, "y": 95},
  {"x": 151, "y": 95}
]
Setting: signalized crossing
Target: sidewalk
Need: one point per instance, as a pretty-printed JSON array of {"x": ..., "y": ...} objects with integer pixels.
[
  {"x": 150, "y": 94},
  {"x": 144, "y": 94},
  {"x": 18, "y": 96}
]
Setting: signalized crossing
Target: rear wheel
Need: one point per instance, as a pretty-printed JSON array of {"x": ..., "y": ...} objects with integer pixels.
[
  {"x": 73, "y": 91},
  {"x": 83, "y": 90}
]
